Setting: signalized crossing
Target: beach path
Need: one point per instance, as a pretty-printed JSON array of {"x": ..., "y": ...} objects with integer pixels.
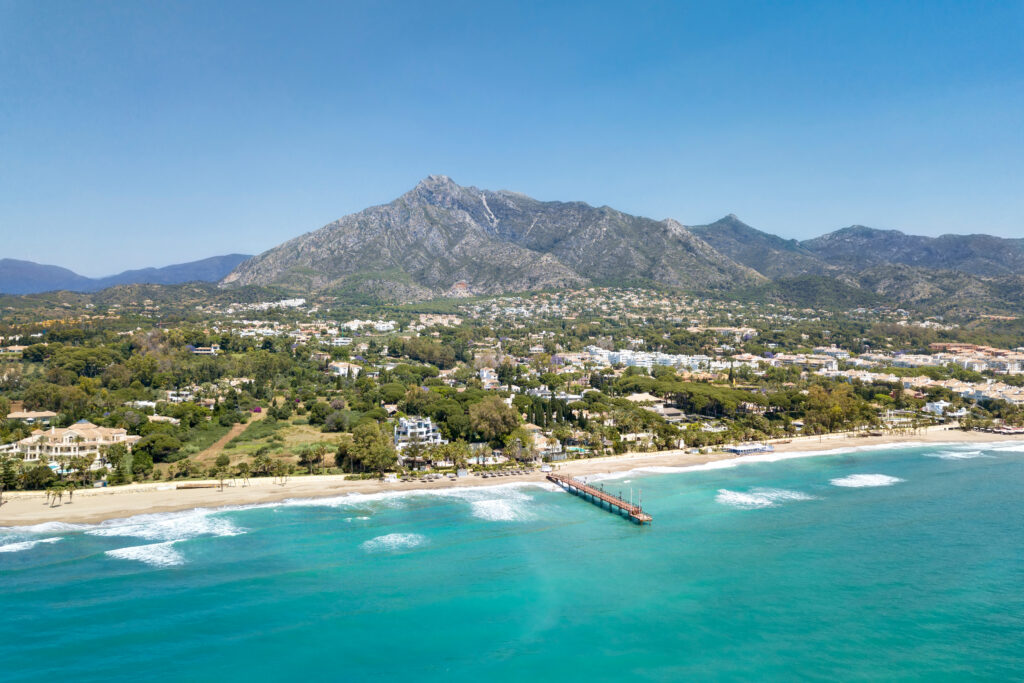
[{"x": 211, "y": 453}]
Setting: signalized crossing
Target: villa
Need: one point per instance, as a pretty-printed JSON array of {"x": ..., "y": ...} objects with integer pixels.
[
  {"x": 344, "y": 369},
  {"x": 417, "y": 430},
  {"x": 32, "y": 416},
  {"x": 80, "y": 439}
]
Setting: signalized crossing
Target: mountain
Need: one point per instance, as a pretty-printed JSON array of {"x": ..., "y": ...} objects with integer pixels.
[
  {"x": 768, "y": 254},
  {"x": 440, "y": 238},
  {"x": 858, "y": 247},
  {"x": 860, "y": 266},
  {"x": 211, "y": 269},
  {"x": 26, "y": 277}
]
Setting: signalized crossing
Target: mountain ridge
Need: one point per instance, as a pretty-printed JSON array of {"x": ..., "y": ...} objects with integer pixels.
[
  {"x": 440, "y": 235},
  {"x": 19, "y": 276}
]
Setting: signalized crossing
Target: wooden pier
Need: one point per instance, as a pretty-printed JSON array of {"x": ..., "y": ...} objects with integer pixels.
[{"x": 600, "y": 498}]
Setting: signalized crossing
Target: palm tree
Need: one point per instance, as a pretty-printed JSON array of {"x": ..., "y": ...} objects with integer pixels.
[
  {"x": 55, "y": 494},
  {"x": 243, "y": 472},
  {"x": 319, "y": 453}
]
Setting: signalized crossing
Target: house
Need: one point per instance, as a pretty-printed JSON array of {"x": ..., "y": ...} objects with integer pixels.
[
  {"x": 344, "y": 369},
  {"x": 211, "y": 350},
  {"x": 489, "y": 378},
  {"x": 941, "y": 408},
  {"x": 32, "y": 416},
  {"x": 80, "y": 439},
  {"x": 412, "y": 430}
]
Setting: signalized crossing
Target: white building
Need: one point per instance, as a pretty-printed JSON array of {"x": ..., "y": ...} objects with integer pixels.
[
  {"x": 344, "y": 369},
  {"x": 80, "y": 439},
  {"x": 941, "y": 408},
  {"x": 417, "y": 430}
]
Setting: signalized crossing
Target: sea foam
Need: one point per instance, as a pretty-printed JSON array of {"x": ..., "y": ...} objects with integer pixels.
[
  {"x": 155, "y": 554},
  {"x": 18, "y": 546},
  {"x": 857, "y": 481},
  {"x": 1015, "y": 448},
  {"x": 168, "y": 526},
  {"x": 957, "y": 455},
  {"x": 759, "y": 497},
  {"x": 391, "y": 542},
  {"x": 500, "y": 510}
]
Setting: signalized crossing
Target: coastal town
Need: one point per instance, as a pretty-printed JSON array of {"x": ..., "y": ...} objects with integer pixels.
[{"x": 149, "y": 391}]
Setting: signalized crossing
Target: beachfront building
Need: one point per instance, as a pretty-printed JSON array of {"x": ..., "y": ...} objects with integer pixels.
[
  {"x": 420, "y": 430},
  {"x": 943, "y": 409},
  {"x": 80, "y": 439}
]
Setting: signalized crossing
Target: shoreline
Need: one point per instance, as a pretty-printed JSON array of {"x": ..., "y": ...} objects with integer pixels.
[{"x": 90, "y": 506}]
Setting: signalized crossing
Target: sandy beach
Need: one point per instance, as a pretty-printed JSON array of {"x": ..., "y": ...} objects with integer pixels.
[{"x": 95, "y": 505}]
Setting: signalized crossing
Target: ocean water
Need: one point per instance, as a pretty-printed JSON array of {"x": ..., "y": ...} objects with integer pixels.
[{"x": 900, "y": 563}]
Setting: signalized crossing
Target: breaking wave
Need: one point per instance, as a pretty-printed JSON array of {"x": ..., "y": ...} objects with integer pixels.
[
  {"x": 957, "y": 455},
  {"x": 759, "y": 497},
  {"x": 155, "y": 554},
  {"x": 18, "y": 546},
  {"x": 168, "y": 526},
  {"x": 857, "y": 481}
]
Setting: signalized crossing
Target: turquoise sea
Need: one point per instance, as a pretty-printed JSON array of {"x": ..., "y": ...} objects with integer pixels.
[{"x": 900, "y": 563}]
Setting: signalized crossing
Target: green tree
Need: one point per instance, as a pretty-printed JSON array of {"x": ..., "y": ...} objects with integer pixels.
[
  {"x": 312, "y": 456},
  {"x": 159, "y": 446},
  {"x": 243, "y": 472},
  {"x": 8, "y": 473},
  {"x": 372, "y": 445},
  {"x": 492, "y": 418},
  {"x": 38, "y": 477}
]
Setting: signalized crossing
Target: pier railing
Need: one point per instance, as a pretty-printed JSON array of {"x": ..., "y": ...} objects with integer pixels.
[{"x": 600, "y": 497}]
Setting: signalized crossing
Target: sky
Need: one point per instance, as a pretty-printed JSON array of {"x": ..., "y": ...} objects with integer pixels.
[{"x": 140, "y": 133}]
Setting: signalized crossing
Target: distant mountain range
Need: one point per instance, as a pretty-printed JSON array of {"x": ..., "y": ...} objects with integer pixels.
[
  {"x": 26, "y": 277},
  {"x": 443, "y": 239}
]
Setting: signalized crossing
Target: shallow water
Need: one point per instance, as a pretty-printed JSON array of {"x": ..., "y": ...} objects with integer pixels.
[{"x": 896, "y": 563}]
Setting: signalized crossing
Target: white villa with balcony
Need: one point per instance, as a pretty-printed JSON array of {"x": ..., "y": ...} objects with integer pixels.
[{"x": 417, "y": 430}]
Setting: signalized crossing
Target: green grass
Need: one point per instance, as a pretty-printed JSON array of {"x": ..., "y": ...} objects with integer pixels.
[
  {"x": 205, "y": 435},
  {"x": 259, "y": 429}
]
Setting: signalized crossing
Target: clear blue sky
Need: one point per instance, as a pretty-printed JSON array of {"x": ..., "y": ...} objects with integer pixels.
[{"x": 146, "y": 133}]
